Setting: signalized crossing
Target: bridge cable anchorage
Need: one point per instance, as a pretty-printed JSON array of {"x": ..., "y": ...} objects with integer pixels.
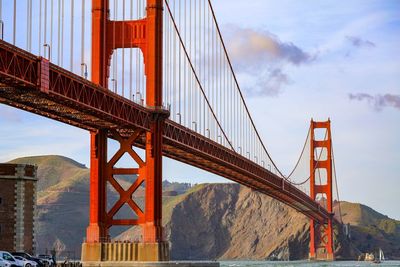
[{"x": 195, "y": 74}]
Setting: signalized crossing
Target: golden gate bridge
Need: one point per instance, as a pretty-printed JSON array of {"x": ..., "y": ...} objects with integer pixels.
[{"x": 156, "y": 75}]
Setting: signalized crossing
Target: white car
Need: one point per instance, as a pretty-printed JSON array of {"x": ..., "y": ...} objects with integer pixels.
[
  {"x": 24, "y": 262},
  {"x": 7, "y": 257},
  {"x": 4, "y": 263}
]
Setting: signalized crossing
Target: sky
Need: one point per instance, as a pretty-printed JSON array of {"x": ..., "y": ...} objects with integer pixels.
[{"x": 295, "y": 60}]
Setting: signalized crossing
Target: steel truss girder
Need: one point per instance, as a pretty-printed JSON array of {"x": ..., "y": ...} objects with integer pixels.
[{"x": 76, "y": 101}]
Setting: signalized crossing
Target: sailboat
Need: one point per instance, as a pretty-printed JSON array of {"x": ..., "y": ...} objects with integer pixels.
[{"x": 380, "y": 258}]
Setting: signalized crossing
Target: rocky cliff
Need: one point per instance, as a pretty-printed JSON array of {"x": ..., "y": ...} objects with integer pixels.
[{"x": 229, "y": 221}]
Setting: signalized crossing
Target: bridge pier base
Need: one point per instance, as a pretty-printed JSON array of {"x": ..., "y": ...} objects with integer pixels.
[
  {"x": 321, "y": 257},
  {"x": 120, "y": 252}
]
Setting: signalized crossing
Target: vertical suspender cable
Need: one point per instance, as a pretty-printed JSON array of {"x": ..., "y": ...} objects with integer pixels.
[
  {"x": 115, "y": 51},
  {"x": 45, "y": 29},
  {"x": 185, "y": 87},
  {"x": 131, "y": 55},
  {"x": 209, "y": 70},
  {"x": 166, "y": 54},
  {"x": 83, "y": 69},
  {"x": 179, "y": 69},
  {"x": 27, "y": 23},
  {"x": 15, "y": 22},
  {"x": 195, "y": 65},
  {"x": 1, "y": 19},
  {"x": 138, "y": 61},
  {"x": 163, "y": 88},
  {"x": 51, "y": 24},
  {"x": 204, "y": 65},
  {"x": 174, "y": 68},
  {"x": 220, "y": 74},
  {"x": 59, "y": 34},
  {"x": 190, "y": 95},
  {"x": 45, "y": 32},
  {"x": 123, "y": 46},
  {"x": 71, "y": 64},
  {"x": 62, "y": 33},
  {"x": 188, "y": 99},
  {"x": 40, "y": 28},
  {"x": 171, "y": 68},
  {"x": 30, "y": 25},
  {"x": 168, "y": 64},
  {"x": 212, "y": 89}
]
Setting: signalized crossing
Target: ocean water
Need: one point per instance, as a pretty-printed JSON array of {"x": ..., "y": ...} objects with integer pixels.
[{"x": 305, "y": 264}]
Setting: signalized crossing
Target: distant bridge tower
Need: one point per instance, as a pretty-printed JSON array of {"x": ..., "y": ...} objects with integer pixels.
[
  {"x": 107, "y": 36},
  {"x": 321, "y": 234}
]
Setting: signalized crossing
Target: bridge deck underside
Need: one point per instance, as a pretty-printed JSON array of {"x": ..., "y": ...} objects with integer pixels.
[{"x": 75, "y": 101}]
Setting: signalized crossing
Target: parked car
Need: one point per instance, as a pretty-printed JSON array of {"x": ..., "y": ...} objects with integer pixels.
[
  {"x": 47, "y": 259},
  {"x": 4, "y": 263},
  {"x": 24, "y": 262},
  {"x": 29, "y": 257},
  {"x": 6, "y": 256}
]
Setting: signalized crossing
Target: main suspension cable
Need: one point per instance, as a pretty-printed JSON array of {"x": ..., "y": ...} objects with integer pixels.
[{"x": 195, "y": 74}]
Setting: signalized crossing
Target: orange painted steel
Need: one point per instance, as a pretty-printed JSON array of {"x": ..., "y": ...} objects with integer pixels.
[
  {"x": 146, "y": 35},
  {"x": 321, "y": 234},
  {"x": 125, "y": 195}
]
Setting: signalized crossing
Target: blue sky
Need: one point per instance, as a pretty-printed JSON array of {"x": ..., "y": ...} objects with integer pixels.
[{"x": 299, "y": 60}]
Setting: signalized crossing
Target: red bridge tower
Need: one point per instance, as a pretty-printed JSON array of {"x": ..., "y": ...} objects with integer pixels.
[
  {"x": 321, "y": 234},
  {"x": 146, "y": 35}
]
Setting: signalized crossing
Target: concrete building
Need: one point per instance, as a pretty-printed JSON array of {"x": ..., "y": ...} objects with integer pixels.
[{"x": 17, "y": 207}]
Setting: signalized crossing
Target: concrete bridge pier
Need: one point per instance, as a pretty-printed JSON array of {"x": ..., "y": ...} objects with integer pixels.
[
  {"x": 129, "y": 254},
  {"x": 120, "y": 252}
]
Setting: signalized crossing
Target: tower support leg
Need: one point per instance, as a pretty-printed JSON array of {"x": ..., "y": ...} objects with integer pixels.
[
  {"x": 98, "y": 246},
  {"x": 152, "y": 228},
  {"x": 97, "y": 230}
]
